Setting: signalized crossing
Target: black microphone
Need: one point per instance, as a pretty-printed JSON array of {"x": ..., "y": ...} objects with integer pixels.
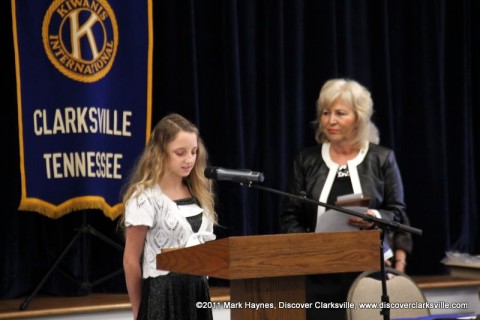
[{"x": 218, "y": 173}]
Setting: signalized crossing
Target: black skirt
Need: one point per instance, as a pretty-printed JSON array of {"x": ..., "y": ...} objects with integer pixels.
[{"x": 174, "y": 297}]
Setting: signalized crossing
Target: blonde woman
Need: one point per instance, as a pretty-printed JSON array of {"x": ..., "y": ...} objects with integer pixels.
[{"x": 347, "y": 159}]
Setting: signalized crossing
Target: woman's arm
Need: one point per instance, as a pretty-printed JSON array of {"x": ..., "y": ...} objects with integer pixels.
[
  {"x": 393, "y": 197},
  {"x": 401, "y": 242},
  {"x": 135, "y": 239}
]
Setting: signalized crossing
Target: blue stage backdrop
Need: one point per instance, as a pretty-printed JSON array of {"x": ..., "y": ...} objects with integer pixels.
[{"x": 84, "y": 100}]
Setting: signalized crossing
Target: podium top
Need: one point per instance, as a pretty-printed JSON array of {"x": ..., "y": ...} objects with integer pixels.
[{"x": 277, "y": 255}]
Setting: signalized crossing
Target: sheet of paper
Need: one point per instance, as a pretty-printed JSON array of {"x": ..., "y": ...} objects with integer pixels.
[{"x": 333, "y": 220}]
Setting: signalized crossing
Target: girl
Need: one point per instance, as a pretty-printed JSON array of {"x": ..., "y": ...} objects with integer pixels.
[{"x": 168, "y": 204}]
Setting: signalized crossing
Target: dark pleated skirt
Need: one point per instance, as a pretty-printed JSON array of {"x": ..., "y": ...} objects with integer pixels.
[{"x": 174, "y": 297}]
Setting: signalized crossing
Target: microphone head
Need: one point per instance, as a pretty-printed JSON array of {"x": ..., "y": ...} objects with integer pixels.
[
  {"x": 210, "y": 172},
  {"x": 241, "y": 176}
]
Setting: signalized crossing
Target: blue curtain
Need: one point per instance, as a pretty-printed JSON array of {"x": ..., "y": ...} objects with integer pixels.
[{"x": 248, "y": 73}]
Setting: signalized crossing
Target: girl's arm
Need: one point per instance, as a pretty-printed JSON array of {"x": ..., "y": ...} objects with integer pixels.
[{"x": 135, "y": 239}]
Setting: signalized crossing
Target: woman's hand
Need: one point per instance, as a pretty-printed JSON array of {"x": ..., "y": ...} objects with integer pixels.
[{"x": 360, "y": 223}]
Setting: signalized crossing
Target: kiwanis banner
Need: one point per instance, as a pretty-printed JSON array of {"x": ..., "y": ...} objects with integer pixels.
[{"x": 84, "y": 100}]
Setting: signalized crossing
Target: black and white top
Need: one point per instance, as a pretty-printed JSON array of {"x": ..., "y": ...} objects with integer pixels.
[{"x": 171, "y": 225}]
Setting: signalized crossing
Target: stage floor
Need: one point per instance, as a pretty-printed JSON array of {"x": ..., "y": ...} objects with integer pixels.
[{"x": 47, "y": 305}]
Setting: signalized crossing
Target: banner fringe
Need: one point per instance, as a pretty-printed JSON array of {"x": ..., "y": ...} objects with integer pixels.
[{"x": 56, "y": 212}]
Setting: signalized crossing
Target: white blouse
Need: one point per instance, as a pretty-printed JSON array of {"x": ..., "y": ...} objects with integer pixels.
[{"x": 168, "y": 226}]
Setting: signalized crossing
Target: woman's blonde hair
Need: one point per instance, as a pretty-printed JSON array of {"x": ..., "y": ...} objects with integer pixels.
[
  {"x": 358, "y": 98},
  {"x": 150, "y": 166}
]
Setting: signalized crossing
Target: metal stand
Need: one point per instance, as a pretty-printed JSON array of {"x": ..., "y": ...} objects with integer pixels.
[
  {"x": 84, "y": 230},
  {"x": 379, "y": 223},
  {"x": 383, "y": 273}
]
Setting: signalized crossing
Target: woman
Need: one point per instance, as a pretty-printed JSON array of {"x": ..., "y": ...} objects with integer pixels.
[
  {"x": 168, "y": 204},
  {"x": 347, "y": 160}
]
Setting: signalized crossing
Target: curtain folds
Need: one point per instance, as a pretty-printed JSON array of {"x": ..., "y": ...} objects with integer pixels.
[{"x": 248, "y": 73}]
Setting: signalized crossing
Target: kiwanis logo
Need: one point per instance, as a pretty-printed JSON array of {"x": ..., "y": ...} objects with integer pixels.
[{"x": 80, "y": 38}]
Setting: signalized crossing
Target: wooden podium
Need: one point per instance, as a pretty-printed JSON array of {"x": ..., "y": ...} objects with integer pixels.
[{"x": 268, "y": 271}]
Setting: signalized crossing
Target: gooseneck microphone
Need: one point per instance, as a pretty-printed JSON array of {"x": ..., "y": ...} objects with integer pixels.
[{"x": 240, "y": 176}]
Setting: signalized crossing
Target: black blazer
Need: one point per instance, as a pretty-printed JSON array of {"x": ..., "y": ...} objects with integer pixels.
[{"x": 380, "y": 180}]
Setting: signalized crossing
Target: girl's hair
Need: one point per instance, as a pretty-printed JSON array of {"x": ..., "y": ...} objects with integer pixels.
[
  {"x": 358, "y": 98},
  {"x": 150, "y": 166}
]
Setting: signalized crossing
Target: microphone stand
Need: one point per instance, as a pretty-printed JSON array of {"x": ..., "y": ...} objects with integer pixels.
[{"x": 378, "y": 222}]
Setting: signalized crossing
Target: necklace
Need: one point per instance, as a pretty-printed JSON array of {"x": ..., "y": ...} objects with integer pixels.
[{"x": 343, "y": 172}]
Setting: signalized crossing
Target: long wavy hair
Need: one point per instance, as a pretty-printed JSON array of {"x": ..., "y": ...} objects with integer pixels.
[
  {"x": 151, "y": 165},
  {"x": 358, "y": 98}
]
